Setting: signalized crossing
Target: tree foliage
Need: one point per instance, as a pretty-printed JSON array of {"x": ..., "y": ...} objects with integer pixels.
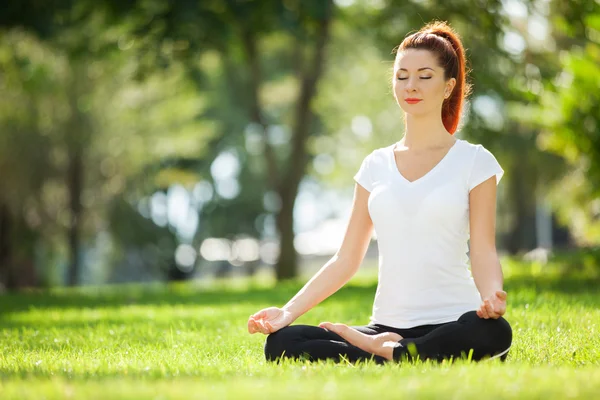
[{"x": 109, "y": 104}]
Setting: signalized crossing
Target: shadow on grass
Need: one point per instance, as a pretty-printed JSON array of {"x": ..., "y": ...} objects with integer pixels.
[
  {"x": 564, "y": 284},
  {"x": 252, "y": 296},
  {"x": 163, "y": 295}
]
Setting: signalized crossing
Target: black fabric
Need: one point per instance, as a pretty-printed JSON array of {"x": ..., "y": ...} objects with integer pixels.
[{"x": 469, "y": 336}]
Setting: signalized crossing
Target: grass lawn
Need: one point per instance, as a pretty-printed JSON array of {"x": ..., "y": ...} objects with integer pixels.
[{"x": 189, "y": 341}]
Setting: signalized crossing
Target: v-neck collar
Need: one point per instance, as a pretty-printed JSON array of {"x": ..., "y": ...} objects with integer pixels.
[{"x": 396, "y": 171}]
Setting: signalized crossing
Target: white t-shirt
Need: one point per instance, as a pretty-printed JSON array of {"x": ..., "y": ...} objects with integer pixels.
[{"x": 422, "y": 230}]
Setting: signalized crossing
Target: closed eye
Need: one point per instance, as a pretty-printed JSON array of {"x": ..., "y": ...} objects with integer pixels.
[{"x": 423, "y": 77}]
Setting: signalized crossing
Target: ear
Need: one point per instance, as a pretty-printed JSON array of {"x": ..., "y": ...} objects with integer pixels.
[{"x": 450, "y": 83}]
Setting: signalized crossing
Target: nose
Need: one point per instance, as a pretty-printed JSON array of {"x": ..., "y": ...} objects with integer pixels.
[{"x": 411, "y": 85}]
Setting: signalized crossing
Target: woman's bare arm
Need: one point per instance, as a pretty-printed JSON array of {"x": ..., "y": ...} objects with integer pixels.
[
  {"x": 485, "y": 265},
  {"x": 344, "y": 264},
  {"x": 330, "y": 278}
]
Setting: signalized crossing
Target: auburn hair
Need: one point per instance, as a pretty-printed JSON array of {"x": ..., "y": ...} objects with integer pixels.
[{"x": 439, "y": 38}]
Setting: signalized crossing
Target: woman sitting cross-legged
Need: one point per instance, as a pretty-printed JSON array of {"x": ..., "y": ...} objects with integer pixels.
[{"x": 425, "y": 196}]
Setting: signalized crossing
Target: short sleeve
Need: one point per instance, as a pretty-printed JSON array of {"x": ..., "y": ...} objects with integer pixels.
[
  {"x": 484, "y": 167},
  {"x": 363, "y": 176}
]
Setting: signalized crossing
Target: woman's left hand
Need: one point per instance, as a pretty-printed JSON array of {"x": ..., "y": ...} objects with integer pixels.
[
  {"x": 494, "y": 306},
  {"x": 381, "y": 344}
]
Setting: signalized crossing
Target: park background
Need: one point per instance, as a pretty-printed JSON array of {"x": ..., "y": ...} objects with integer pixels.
[{"x": 213, "y": 142}]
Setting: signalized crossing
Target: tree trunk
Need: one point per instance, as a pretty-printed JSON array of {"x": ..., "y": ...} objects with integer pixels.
[
  {"x": 287, "y": 265},
  {"x": 287, "y": 183},
  {"x": 522, "y": 198},
  {"x": 75, "y": 186},
  {"x": 5, "y": 247},
  {"x": 256, "y": 112},
  {"x": 17, "y": 266}
]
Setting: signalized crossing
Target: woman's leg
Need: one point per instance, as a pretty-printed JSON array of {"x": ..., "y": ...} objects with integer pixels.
[
  {"x": 316, "y": 343},
  {"x": 484, "y": 337}
]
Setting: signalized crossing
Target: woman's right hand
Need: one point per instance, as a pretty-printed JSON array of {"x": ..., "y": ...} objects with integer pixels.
[{"x": 269, "y": 320}]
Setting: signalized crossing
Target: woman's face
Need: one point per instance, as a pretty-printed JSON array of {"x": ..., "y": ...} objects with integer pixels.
[{"x": 419, "y": 84}]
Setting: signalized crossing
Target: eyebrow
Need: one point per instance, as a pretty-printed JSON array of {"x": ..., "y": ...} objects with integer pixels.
[{"x": 420, "y": 69}]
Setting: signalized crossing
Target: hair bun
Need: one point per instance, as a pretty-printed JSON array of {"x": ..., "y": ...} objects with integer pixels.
[{"x": 441, "y": 29}]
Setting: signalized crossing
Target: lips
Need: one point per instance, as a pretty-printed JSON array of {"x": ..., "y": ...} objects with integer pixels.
[{"x": 412, "y": 101}]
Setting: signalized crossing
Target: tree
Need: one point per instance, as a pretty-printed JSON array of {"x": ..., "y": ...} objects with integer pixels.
[
  {"x": 71, "y": 150},
  {"x": 236, "y": 31},
  {"x": 569, "y": 115}
]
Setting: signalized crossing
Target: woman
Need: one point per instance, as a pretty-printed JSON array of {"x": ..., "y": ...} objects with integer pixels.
[{"x": 425, "y": 196}]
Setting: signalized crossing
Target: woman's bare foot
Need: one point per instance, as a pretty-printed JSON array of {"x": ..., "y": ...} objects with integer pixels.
[{"x": 382, "y": 344}]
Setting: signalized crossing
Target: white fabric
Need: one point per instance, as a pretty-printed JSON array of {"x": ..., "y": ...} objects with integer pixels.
[{"x": 422, "y": 230}]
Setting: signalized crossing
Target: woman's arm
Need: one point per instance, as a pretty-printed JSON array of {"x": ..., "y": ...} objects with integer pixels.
[
  {"x": 344, "y": 264},
  {"x": 485, "y": 264},
  {"x": 330, "y": 278}
]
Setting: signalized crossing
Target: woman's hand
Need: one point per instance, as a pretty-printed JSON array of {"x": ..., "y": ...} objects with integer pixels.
[
  {"x": 269, "y": 320},
  {"x": 381, "y": 344},
  {"x": 494, "y": 306}
]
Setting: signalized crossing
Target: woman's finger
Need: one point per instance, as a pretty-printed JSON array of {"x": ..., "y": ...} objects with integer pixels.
[
  {"x": 259, "y": 315},
  {"x": 269, "y": 327},
  {"x": 259, "y": 326},
  {"x": 479, "y": 313},
  {"x": 491, "y": 308},
  {"x": 491, "y": 311},
  {"x": 264, "y": 328},
  {"x": 488, "y": 306},
  {"x": 484, "y": 311},
  {"x": 252, "y": 326},
  {"x": 501, "y": 294},
  {"x": 500, "y": 311}
]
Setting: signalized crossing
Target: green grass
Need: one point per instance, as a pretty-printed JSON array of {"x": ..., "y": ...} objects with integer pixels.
[{"x": 189, "y": 341}]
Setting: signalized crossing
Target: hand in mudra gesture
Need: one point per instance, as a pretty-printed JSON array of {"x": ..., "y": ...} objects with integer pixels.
[
  {"x": 269, "y": 320},
  {"x": 494, "y": 306}
]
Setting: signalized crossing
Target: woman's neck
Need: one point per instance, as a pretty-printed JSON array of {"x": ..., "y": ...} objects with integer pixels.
[{"x": 425, "y": 132}]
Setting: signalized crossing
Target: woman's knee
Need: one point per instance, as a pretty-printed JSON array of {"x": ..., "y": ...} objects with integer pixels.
[
  {"x": 498, "y": 331},
  {"x": 496, "y": 334},
  {"x": 500, "y": 338},
  {"x": 278, "y": 344},
  {"x": 503, "y": 331}
]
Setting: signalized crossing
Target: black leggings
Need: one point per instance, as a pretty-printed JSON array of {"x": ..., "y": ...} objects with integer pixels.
[{"x": 470, "y": 336}]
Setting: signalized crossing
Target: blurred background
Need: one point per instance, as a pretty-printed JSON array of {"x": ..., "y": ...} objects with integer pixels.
[{"x": 156, "y": 140}]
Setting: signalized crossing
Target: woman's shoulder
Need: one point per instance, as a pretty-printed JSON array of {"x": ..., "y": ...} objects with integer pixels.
[
  {"x": 379, "y": 154},
  {"x": 472, "y": 148},
  {"x": 469, "y": 145},
  {"x": 479, "y": 157}
]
